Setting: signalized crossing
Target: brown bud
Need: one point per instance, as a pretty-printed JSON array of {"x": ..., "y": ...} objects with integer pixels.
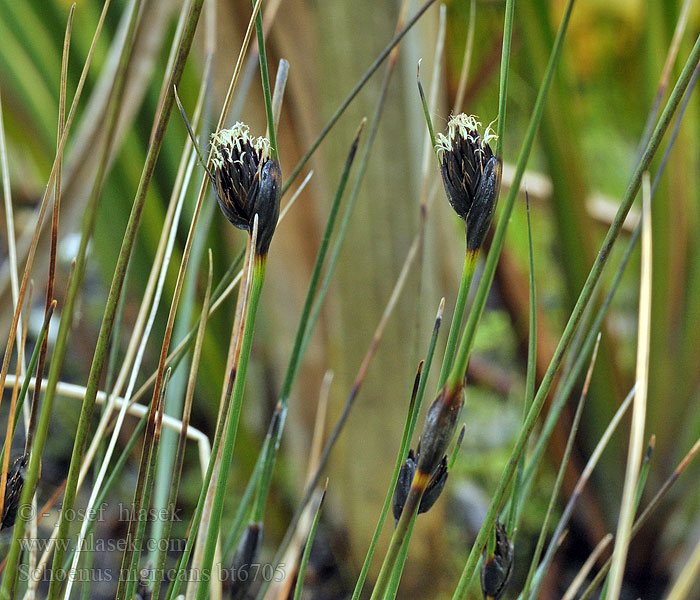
[
  {"x": 247, "y": 181},
  {"x": 440, "y": 424}
]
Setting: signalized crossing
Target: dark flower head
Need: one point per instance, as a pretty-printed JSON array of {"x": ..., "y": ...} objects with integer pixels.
[
  {"x": 13, "y": 491},
  {"x": 438, "y": 478},
  {"x": 496, "y": 569},
  {"x": 247, "y": 181},
  {"x": 471, "y": 173}
]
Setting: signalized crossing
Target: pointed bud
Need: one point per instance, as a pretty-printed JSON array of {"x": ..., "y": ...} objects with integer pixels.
[
  {"x": 13, "y": 491},
  {"x": 496, "y": 570},
  {"x": 246, "y": 553},
  {"x": 471, "y": 173},
  {"x": 247, "y": 181},
  {"x": 440, "y": 424}
]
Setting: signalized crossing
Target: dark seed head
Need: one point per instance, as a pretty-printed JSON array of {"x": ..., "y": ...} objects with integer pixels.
[
  {"x": 246, "y": 553},
  {"x": 13, "y": 491},
  {"x": 403, "y": 485},
  {"x": 496, "y": 569},
  {"x": 247, "y": 181},
  {"x": 471, "y": 173}
]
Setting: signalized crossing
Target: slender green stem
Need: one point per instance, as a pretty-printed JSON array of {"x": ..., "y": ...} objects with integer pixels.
[
  {"x": 530, "y": 378},
  {"x": 468, "y": 268},
  {"x": 480, "y": 300},
  {"x": 75, "y": 285},
  {"x": 142, "y": 502},
  {"x": 304, "y": 329},
  {"x": 400, "y": 563},
  {"x": 232, "y": 424},
  {"x": 244, "y": 500},
  {"x": 28, "y": 376},
  {"x": 174, "y": 586},
  {"x": 92, "y": 516},
  {"x": 553, "y": 496},
  {"x": 269, "y": 114},
  {"x": 409, "y": 428},
  {"x": 177, "y": 462},
  {"x": 569, "y": 380},
  {"x": 402, "y": 534},
  {"x": 307, "y": 550},
  {"x": 426, "y": 113},
  {"x": 356, "y": 90},
  {"x": 503, "y": 88},
  {"x": 555, "y": 540}
]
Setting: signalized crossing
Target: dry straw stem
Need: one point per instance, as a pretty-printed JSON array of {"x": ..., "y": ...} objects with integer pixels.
[
  {"x": 139, "y": 338},
  {"x": 585, "y": 476},
  {"x": 11, "y": 416},
  {"x": 586, "y": 568},
  {"x": 685, "y": 586},
  {"x": 636, "y": 442},
  {"x": 646, "y": 513},
  {"x": 560, "y": 475},
  {"x": 283, "y": 589},
  {"x": 180, "y": 454}
]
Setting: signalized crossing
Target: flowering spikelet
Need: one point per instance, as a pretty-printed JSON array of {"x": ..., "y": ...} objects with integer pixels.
[
  {"x": 247, "y": 181},
  {"x": 471, "y": 174}
]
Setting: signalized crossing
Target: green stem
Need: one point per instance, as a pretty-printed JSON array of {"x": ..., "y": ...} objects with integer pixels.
[
  {"x": 553, "y": 497},
  {"x": 530, "y": 378},
  {"x": 174, "y": 586},
  {"x": 468, "y": 268},
  {"x": 409, "y": 429},
  {"x": 593, "y": 277},
  {"x": 356, "y": 90},
  {"x": 304, "y": 329},
  {"x": 400, "y": 563},
  {"x": 65, "y": 325},
  {"x": 143, "y": 500},
  {"x": 264, "y": 75},
  {"x": 232, "y": 425},
  {"x": 307, "y": 550},
  {"x": 402, "y": 534},
  {"x": 505, "y": 60}
]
